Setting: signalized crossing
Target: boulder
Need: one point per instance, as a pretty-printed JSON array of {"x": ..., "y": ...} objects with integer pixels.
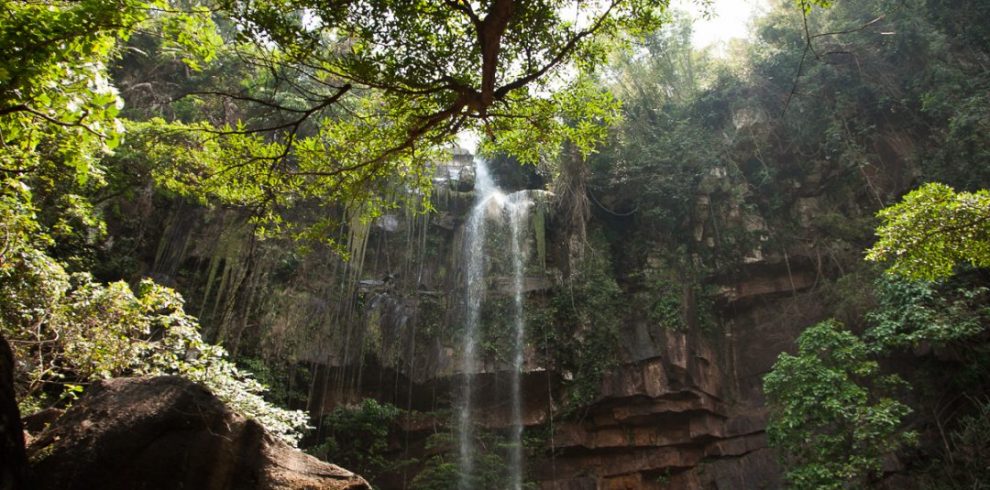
[{"x": 166, "y": 433}]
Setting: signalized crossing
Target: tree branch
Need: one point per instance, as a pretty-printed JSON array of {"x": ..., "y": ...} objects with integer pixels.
[{"x": 568, "y": 48}]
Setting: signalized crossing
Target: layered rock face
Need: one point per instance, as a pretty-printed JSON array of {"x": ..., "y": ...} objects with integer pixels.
[
  {"x": 657, "y": 420},
  {"x": 687, "y": 411},
  {"x": 168, "y": 433}
]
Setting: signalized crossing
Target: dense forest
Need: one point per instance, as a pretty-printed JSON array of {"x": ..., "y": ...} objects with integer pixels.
[{"x": 759, "y": 265}]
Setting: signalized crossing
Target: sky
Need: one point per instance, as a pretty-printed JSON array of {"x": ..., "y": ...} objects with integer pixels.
[{"x": 730, "y": 19}]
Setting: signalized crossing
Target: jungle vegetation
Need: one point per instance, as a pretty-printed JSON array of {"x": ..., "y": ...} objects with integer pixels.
[{"x": 282, "y": 110}]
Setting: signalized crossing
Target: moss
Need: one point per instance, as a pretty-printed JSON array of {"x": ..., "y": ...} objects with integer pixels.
[{"x": 579, "y": 325}]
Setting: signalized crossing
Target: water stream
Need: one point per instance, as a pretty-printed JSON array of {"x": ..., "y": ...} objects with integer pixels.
[
  {"x": 518, "y": 208},
  {"x": 492, "y": 207}
]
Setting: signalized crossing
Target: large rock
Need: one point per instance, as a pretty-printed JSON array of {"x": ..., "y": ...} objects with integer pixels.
[{"x": 168, "y": 433}]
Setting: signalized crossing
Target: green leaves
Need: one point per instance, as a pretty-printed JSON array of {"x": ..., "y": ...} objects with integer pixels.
[
  {"x": 358, "y": 437},
  {"x": 581, "y": 113},
  {"x": 806, "y": 5},
  {"x": 362, "y": 97},
  {"x": 912, "y": 313},
  {"x": 70, "y": 330},
  {"x": 190, "y": 34},
  {"x": 932, "y": 230},
  {"x": 56, "y": 89},
  {"x": 829, "y": 417}
]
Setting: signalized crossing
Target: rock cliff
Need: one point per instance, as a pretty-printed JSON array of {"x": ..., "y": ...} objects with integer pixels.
[{"x": 671, "y": 397}]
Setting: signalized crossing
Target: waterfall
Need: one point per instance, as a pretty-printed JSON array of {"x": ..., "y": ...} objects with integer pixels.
[
  {"x": 519, "y": 205},
  {"x": 474, "y": 249},
  {"x": 492, "y": 204}
]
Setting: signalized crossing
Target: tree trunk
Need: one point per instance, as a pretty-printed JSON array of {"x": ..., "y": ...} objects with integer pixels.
[{"x": 13, "y": 460}]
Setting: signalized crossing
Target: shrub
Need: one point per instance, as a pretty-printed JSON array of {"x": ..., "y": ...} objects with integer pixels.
[
  {"x": 830, "y": 418},
  {"x": 67, "y": 331}
]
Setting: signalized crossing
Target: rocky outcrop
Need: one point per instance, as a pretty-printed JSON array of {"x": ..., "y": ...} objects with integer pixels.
[
  {"x": 167, "y": 433},
  {"x": 663, "y": 422}
]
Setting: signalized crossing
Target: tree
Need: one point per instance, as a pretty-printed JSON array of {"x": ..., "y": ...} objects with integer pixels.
[
  {"x": 828, "y": 419},
  {"x": 352, "y": 102},
  {"x": 449, "y": 64},
  {"x": 357, "y": 437},
  {"x": 932, "y": 230},
  {"x": 57, "y": 110},
  {"x": 417, "y": 73},
  {"x": 59, "y": 119},
  {"x": 349, "y": 101},
  {"x": 53, "y": 81}
]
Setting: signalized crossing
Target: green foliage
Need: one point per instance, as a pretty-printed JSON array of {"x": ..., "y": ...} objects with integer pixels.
[
  {"x": 830, "y": 420},
  {"x": 67, "y": 331},
  {"x": 860, "y": 115},
  {"x": 357, "y": 438},
  {"x": 56, "y": 99},
  {"x": 582, "y": 115},
  {"x": 658, "y": 154},
  {"x": 674, "y": 300},
  {"x": 853, "y": 130},
  {"x": 590, "y": 305},
  {"x": 353, "y": 103},
  {"x": 333, "y": 106},
  {"x": 932, "y": 230},
  {"x": 806, "y": 5},
  {"x": 287, "y": 383},
  {"x": 58, "y": 108},
  {"x": 59, "y": 119},
  {"x": 497, "y": 329},
  {"x": 414, "y": 75},
  {"x": 911, "y": 313},
  {"x": 967, "y": 450},
  {"x": 191, "y": 35},
  {"x": 666, "y": 310},
  {"x": 441, "y": 471}
]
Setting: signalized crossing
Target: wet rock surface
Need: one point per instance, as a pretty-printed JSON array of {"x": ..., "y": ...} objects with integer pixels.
[{"x": 169, "y": 433}]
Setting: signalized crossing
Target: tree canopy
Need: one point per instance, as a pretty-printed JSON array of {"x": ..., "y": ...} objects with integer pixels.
[
  {"x": 933, "y": 230},
  {"x": 354, "y": 100},
  {"x": 452, "y": 64},
  {"x": 346, "y": 103}
]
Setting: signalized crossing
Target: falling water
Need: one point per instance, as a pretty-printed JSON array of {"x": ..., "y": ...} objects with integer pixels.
[
  {"x": 485, "y": 191},
  {"x": 518, "y": 206},
  {"x": 491, "y": 202}
]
